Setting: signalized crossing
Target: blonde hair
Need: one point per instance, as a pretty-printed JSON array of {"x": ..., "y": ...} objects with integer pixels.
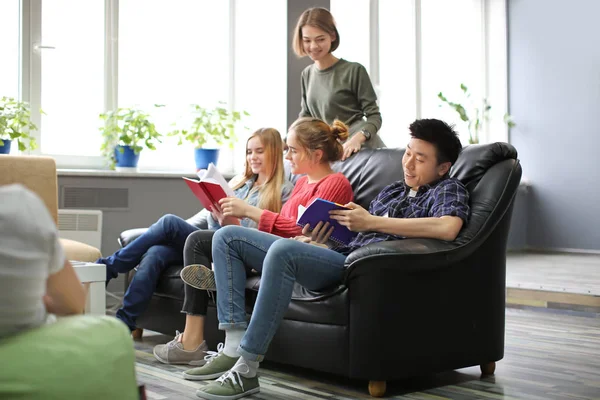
[
  {"x": 314, "y": 134},
  {"x": 269, "y": 196},
  {"x": 319, "y": 18}
]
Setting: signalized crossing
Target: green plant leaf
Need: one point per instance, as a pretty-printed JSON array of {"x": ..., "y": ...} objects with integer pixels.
[
  {"x": 216, "y": 124},
  {"x": 473, "y": 113},
  {"x": 130, "y": 127},
  {"x": 15, "y": 122}
]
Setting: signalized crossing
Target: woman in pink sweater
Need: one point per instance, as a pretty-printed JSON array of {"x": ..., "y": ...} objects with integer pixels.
[{"x": 312, "y": 146}]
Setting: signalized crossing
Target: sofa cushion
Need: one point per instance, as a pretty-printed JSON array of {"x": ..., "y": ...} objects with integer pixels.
[
  {"x": 170, "y": 283},
  {"x": 328, "y": 306},
  {"x": 324, "y": 307}
]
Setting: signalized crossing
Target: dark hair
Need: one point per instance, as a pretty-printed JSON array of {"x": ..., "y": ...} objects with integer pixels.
[
  {"x": 319, "y": 18},
  {"x": 315, "y": 134},
  {"x": 441, "y": 135}
]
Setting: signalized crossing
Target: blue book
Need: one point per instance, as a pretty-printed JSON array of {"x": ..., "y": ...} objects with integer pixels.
[{"x": 318, "y": 211}]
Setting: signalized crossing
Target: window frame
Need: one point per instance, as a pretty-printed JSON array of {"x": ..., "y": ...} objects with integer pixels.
[
  {"x": 494, "y": 63},
  {"x": 494, "y": 60},
  {"x": 31, "y": 73}
]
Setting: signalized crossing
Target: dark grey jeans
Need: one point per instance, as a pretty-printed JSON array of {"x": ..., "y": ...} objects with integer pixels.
[{"x": 197, "y": 250}]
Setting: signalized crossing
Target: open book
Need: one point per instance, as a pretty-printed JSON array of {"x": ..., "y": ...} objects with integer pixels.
[
  {"x": 317, "y": 211},
  {"x": 211, "y": 188}
]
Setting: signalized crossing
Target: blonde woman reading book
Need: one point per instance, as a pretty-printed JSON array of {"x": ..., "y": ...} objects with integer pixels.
[
  {"x": 263, "y": 184},
  {"x": 312, "y": 147}
]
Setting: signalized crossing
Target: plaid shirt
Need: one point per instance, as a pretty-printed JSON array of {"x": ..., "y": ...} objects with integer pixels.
[{"x": 447, "y": 196}]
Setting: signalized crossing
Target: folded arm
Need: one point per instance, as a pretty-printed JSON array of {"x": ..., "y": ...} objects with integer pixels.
[
  {"x": 65, "y": 295},
  {"x": 443, "y": 228}
]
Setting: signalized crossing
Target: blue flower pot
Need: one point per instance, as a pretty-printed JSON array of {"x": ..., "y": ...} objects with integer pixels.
[
  {"x": 203, "y": 157},
  {"x": 127, "y": 158},
  {"x": 6, "y": 148}
]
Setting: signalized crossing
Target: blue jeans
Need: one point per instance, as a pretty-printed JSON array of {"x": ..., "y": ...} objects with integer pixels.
[
  {"x": 159, "y": 247},
  {"x": 281, "y": 262}
]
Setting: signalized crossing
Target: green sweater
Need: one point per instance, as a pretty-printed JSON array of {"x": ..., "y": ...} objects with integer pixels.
[{"x": 342, "y": 91}]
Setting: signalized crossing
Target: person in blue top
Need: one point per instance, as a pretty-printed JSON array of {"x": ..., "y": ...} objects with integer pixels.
[{"x": 263, "y": 184}]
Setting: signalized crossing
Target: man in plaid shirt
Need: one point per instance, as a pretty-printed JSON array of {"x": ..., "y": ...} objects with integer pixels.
[{"x": 426, "y": 204}]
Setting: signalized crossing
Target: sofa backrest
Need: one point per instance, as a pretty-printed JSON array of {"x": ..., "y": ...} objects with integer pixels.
[
  {"x": 370, "y": 170},
  {"x": 491, "y": 173},
  {"x": 36, "y": 173}
]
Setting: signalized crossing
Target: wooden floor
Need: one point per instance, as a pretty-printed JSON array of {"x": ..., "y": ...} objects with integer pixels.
[
  {"x": 547, "y": 356},
  {"x": 568, "y": 282},
  {"x": 558, "y": 272}
]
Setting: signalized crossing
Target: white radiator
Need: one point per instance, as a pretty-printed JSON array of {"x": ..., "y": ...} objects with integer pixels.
[{"x": 81, "y": 225}]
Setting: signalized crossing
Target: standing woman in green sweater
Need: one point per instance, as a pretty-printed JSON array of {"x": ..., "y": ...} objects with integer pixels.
[{"x": 333, "y": 88}]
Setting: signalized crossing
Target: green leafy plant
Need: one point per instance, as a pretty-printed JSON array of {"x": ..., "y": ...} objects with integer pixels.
[
  {"x": 214, "y": 126},
  {"x": 127, "y": 127},
  {"x": 15, "y": 123},
  {"x": 474, "y": 113}
]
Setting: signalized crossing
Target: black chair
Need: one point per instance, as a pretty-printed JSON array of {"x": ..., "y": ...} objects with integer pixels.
[{"x": 405, "y": 308}]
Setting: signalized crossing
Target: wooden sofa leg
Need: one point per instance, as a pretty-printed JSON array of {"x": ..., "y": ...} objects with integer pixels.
[
  {"x": 488, "y": 368},
  {"x": 377, "y": 388},
  {"x": 137, "y": 333}
]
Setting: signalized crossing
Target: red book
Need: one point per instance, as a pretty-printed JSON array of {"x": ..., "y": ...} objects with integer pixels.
[{"x": 211, "y": 188}]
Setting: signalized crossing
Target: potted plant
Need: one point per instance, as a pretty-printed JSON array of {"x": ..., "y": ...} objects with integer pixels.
[
  {"x": 15, "y": 124},
  {"x": 126, "y": 132},
  {"x": 473, "y": 113},
  {"x": 209, "y": 129}
]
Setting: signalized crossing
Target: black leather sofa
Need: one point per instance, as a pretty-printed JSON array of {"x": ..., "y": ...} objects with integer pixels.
[{"x": 406, "y": 308}]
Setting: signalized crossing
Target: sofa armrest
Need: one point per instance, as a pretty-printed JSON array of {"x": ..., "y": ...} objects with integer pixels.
[
  {"x": 407, "y": 255},
  {"x": 441, "y": 297},
  {"x": 78, "y": 251},
  {"x": 130, "y": 235}
]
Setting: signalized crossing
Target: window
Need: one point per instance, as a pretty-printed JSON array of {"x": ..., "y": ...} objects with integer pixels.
[
  {"x": 352, "y": 22},
  {"x": 397, "y": 70},
  {"x": 451, "y": 43},
  {"x": 134, "y": 53},
  {"x": 9, "y": 48},
  {"x": 72, "y": 76},
  {"x": 174, "y": 54},
  {"x": 260, "y": 69},
  {"x": 425, "y": 47}
]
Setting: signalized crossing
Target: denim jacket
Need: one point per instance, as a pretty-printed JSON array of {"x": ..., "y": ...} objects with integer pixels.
[{"x": 245, "y": 192}]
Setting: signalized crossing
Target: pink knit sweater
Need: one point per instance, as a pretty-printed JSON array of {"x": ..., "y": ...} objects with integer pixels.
[{"x": 334, "y": 187}]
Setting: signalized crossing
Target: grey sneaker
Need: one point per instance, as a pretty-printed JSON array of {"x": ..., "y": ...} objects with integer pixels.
[
  {"x": 173, "y": 353},
  {"x": 200, "y": 277},
  {"x": 231, "y": 385},
  {"x": 217, "y": 363}
]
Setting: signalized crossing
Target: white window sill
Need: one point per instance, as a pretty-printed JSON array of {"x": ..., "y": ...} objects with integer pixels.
[{"x": 105, "y": 173}]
